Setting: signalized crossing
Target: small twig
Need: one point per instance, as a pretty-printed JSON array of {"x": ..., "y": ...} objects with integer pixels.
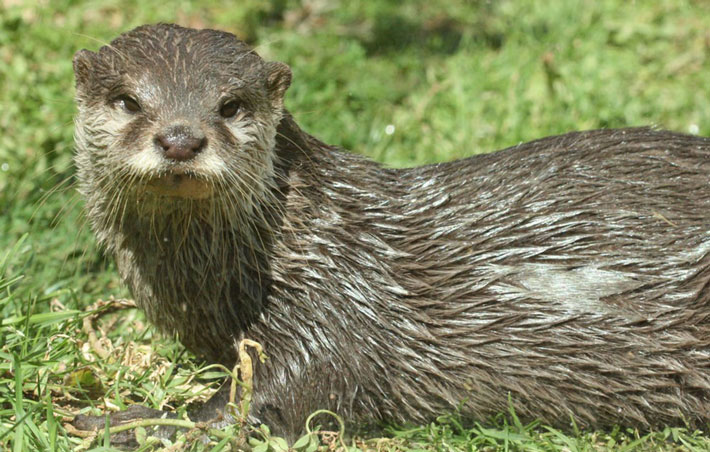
[
  {"x": 339, "y": 435},
  {"x": 80, "y": 433},
  {"x": 101, "y": 308},
  {"x": 661, "y": 217},
  {"x": 246, "y": 375}
]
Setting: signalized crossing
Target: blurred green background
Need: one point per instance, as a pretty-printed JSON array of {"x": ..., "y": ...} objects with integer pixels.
[{"x": 406, "y": 83}]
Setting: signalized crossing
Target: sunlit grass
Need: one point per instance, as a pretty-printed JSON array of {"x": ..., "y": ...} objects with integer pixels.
[{"x": 406, "y": 83}]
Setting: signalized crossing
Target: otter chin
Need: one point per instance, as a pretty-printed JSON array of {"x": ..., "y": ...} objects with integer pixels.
[
  {"x": 179, "y": 186},
  {"x": 567, "y": 277}
]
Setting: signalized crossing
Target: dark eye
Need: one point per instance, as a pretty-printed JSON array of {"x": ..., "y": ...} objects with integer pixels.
[
  {"x": 128, "y": 104},
  {"x": 230, "y": 109}
]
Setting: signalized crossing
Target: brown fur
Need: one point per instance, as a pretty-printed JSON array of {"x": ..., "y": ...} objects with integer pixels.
[{"x": 570, "y": 273}]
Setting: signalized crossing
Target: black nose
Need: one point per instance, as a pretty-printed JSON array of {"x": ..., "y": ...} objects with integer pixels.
[{"x": 180, "y": 143}]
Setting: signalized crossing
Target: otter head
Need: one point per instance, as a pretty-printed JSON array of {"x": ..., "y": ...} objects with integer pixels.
[{"x": 175, "y": 116}]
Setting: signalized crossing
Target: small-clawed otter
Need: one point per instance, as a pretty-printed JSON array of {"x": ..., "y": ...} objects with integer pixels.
[{"x": 571, "y": 273}]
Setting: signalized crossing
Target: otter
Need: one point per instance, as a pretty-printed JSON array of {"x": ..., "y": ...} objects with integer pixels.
[{"x": 569, "y": 275}]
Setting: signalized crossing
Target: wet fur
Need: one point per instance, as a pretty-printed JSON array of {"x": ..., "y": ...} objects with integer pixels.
[{"x": 570, "y": 273}]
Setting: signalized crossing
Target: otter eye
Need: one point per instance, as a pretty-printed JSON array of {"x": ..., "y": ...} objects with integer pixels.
[
  {"x": 128, "y": 104},
  {"x": 230, "y": 109}
]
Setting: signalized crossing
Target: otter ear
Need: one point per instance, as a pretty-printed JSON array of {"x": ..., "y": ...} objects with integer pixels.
[
  {"x": 278, "y": 79},
  {"x": 83, "y": 66}
]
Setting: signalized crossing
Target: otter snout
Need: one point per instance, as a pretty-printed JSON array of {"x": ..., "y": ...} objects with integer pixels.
[{"x": 180, "y": 143}]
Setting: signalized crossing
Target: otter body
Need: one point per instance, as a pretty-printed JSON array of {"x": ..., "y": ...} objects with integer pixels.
[{"x": 570, "y": 273}]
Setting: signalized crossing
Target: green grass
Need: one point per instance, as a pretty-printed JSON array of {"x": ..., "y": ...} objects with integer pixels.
[{"x": 451, "y": 77}]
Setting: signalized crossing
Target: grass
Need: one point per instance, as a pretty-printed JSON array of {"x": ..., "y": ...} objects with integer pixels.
[{"x": 407, "y": 84}]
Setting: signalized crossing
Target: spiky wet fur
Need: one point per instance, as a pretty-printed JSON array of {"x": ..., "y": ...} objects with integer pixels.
[{"x": 570, "y": 273}]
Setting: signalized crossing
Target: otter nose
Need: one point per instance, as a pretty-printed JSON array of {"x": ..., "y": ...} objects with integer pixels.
[{"x": 180, "y": 143}]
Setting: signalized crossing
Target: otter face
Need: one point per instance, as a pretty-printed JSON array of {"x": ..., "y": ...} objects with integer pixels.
[{"x": 166, "y": 111}]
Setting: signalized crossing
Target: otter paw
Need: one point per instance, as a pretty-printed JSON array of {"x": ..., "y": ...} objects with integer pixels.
[{"x": 127, "y": 438}]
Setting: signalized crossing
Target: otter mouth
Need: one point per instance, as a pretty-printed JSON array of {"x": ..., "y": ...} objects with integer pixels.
[{"x": 179, "y": 185}]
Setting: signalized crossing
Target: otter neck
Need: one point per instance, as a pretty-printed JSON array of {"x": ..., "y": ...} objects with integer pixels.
[{"x": 194, "y": 278}]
